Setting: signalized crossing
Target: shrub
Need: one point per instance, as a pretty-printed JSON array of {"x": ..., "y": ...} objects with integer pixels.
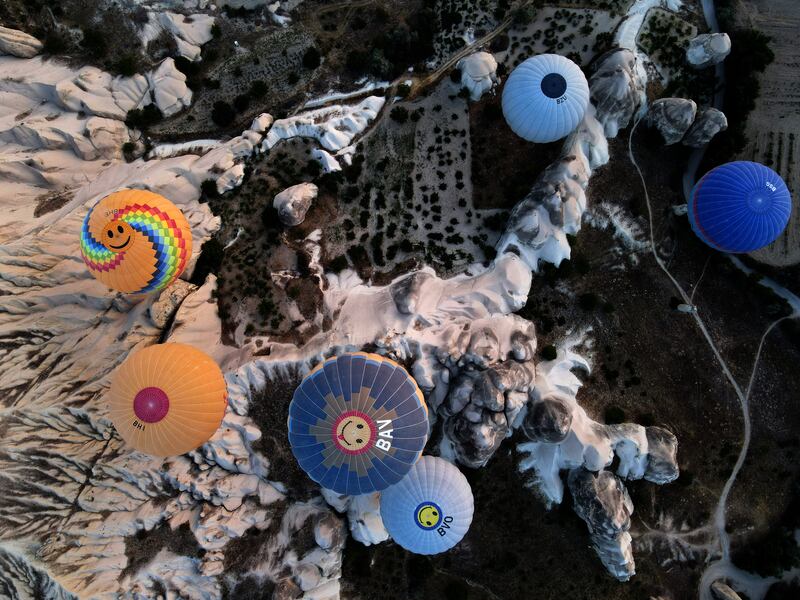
[
  {"x": 216, "y": 31},
  {"x": 338, "y": 264},
  {"x": 142, "y": 118},
  {"x": 258, "y": 89},
  {"x": 399, "y": 114},
  {"x": 222, "y": 113},
  {"x": 209, "y": 189},
  {"x": 209, "y": 261},
  {"x": 293, "y": 78},
  {"x": 614, "y": 415},
  {"x": 128, "y": 65},
  {"x": 588, "y": 301},
  {"x": 549, "y": 352},
  {"x": 94, "y": 42},
  {"x": 311, "y": 59},
  {"x": 241, "y": 102}
]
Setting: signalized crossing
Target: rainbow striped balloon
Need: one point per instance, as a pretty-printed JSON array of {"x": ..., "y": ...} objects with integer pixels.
[{"x": 135, "y": 241}]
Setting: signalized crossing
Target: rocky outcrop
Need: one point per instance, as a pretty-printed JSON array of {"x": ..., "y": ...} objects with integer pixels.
[
  {"x": 293, "y": 203},
  {"x": 230, "y": 179},
  {"x": 170, "y": 92},
  {"x": 722, "y": 591},
  {"x": 618, "y": 89},
  {"x": 262, "y": 123},
  {"x": 672, "y": 117},
  {"x": 708, "y": 49},
  {"x": 478, "y": 73},
  {"x": 18, "y": 43},
  {"x": 662, "y": 456},
  {"x": 548, "y": 420},
  {"x": 708, "y": 123},
  {"x": 406, "y": 291},
  {"x": 106, "y": 136},
  {"x": 602, "y": 501}
]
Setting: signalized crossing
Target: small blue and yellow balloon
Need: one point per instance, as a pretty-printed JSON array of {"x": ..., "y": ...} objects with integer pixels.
[
  {"x": 136, "y": 241},
  {"x": 430, "y": 510}
]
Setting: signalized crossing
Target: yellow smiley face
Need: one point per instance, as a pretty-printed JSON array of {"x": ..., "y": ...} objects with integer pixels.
[
  {"x": 428, "y": 515},
  {"x": 118, "y": 236},
  {"x": 353, "y": 433}
]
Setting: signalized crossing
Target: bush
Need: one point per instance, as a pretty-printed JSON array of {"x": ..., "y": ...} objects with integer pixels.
[
  {"x": 142, "y": 118},
  {"x": 614, "y": 415},
  {"x": 216, "y": 31},
  {"x": 399, "y": 114},
  {"x": 293, "y": 78},
  {"x": 94, "y": 42},
  {"x": 258, "y": 89},
  {"x": 338, "y": 264},
  {"x": 588, "y": 301},
  {"x": 241, "y": 102},
  {"x": 128, "y": 65},
  {"x": 222, "y": 113},
  {"x": 403, "y": 90},
  {"x": 549, "y": 352},
  {"x": 311, "y": 59},
  {"x": 209, "y": 189},
  {"x": 209, "y": 261}
]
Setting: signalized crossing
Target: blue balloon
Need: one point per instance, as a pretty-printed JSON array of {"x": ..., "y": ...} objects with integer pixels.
[
  {"x": 545, "y": 98},
  {"x": 430, "y": 510},
  {"x": 357, "y": 423},
  {"x": 739, "y": 207}
]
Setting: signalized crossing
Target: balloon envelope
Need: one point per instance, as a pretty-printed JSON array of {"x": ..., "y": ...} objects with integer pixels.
[
  {"x": 357, "y": 423},
  {"x": 739, "y": 207},
  {"x": 545, "y": 98},
  {"x": 167, "y": 399},
  {"x": 430, "y": 510},
  {"x": 135, "y": 241}
]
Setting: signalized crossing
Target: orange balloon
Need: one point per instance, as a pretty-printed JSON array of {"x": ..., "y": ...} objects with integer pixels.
[
  {"x": 135, "y": 241},
  {"x": 167, "y": 399}
]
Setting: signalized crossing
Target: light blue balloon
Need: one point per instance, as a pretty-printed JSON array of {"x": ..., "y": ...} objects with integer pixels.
[
  {"x": 545, "y": 98},
  {"x": 430, "y": 509}
]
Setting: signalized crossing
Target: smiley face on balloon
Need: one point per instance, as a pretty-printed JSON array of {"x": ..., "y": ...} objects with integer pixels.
[{"x": 119, "y": 236}]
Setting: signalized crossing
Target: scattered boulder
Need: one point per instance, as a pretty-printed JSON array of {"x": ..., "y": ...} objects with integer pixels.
[
  {"x": 708, "y": 49},
  {"x": 602, "y": 501},
  {"x": 478, "y": 73},
  {"x": 293, "y": 203},
  {"x": 548, "y": 420},
  {"x": 618, "y": 89},
  {"x": 18, "y": 43},
  {"x": 672, "y": 117},
  {"x": 707, "y": 124}
]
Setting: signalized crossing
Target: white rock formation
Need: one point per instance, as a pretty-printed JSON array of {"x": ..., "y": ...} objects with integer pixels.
[
  {"x": 190, "y": 32},
  {"x": 708, "y": 49},
  {"x": 230, "y": 179},
  {"x": 672, "y": 117},
  {"x": 18, "y": 43},
  {"x": 708, "y": 123},
  {"x": 478, "y": 73},
  {"x": 617, "y": 89},
  {"x": 262, "y": 123},
  {"x": 293, "y": 203},
  {"x": 363, "y": 514},
  {"x": 334, "y": 127},
  {"x": 169, "y": 87}
]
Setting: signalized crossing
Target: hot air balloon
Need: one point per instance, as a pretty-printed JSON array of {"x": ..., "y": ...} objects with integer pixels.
[
  {"x": 739, "y": 207},
  {"x": 357, "y": 423},
  {"x": 167, "y": 399},
  {"x": 135, "y": 241},
  {"x": 545, "y": 98},
  {"x": 430, "y": 510}
]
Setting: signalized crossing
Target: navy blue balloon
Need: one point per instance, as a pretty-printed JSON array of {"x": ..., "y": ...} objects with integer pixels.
[
  {"x": 357, "y": 423},
  {"x": 740, "y": 207}
]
